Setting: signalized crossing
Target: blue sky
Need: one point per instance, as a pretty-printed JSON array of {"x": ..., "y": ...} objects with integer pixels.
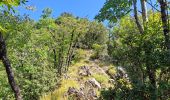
[{"x": 81, "y": 8}]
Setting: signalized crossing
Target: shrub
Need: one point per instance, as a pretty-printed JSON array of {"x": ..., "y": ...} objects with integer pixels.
[
  {"x": 112, "y": 71},
  {"x": 96, "y": 34},
  {"x": 79, "y": 55},
  {"x": 98, "y": 51}
]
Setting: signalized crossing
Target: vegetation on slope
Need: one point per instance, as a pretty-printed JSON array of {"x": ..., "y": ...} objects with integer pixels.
[
  {"x": 73, "y": 78},
  {"x": 55, "y": 58}
]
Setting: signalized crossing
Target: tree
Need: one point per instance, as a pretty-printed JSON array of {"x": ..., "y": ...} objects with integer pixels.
[
  {"x": 147, "y": 47},
  {"x": 6, "y": 62},
  {"x": 113, "y": 10},
  {"x": 144, "y": 11},
  {"x": 165, "y": 21},
  {"x": 3, "y": 51},
  {"x": 46, "y": 13},
  {"x": 140, "y": 28}
]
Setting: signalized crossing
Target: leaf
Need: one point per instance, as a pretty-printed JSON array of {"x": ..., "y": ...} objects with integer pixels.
[{"x": 2, "y": 29}]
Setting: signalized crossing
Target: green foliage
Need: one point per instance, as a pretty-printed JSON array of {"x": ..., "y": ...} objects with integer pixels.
[
  {"x": 46, "y": 13},
  {"x": 96, "y": 34},
  {"x": 113, "y": 10},
  {"x": 108, "y": 94},
  {"x": 112, "y": 71},
  {"x": 8, "y": 5},
  {"x": 99, "y": 50},
  {"x": 79, "y": 55},
  {"x": 40, "y": 51},
  {"x": 140, "y": 53},
  {"x": 121, "y": 90}
]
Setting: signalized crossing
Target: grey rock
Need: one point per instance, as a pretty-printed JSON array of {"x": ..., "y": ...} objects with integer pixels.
[{"x": 93, "y": 82}]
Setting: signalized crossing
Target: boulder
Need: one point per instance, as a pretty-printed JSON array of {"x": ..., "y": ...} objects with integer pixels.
[
  {"x": 92, "y": 82},
  {"x": 72, "y": 90}
]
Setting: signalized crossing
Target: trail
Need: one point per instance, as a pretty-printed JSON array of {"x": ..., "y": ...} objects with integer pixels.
[{"x": 77, "y": 78}]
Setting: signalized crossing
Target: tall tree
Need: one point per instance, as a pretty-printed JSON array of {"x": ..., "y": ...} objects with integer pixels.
[
  {"x": 7, "y": 64},
  {"x": 144, "y": 11},
  {"x": 113, "y": 10},
  {"x": 136, "y": 17},
  {"x": 165, "y": 21},
  {"x": 109, "y": 12},
  {"x": 3, "y": 50}
]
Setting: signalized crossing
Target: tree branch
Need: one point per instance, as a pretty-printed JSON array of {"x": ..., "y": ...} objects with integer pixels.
[{"x": 153, "y": 6}]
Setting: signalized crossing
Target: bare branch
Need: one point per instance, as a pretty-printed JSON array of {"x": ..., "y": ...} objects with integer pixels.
[{"x": 153, "y": 6}]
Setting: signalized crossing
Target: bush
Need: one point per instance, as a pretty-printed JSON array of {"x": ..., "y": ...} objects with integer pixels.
[
  {"x": 79, "y": 55},
  {"x": 98, "y": 51},
  {"x": 96, "y": 34},
  {"x": 112, "y": 71},
  {"x": 107, "y": 94},
  {"x": 121, "y": 91},
  {"x": 94, "y": 56}
]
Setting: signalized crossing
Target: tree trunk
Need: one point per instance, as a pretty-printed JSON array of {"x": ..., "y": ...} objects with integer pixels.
[
  {"x": 69, "y": 49},
  {"x": 152, "y": 78},
  {"x": 72, "y": 50},
  {"x": 59, "y": 62},
  {"x": 7, "y": 65},
  {"x": 144, "y": 11},
  {"x": 151, "y": 72},
  {"x": 55, "y": 58},
  {"x": 136, "y": 17},
  {"x": 164, "y": 17},
  {"x": 61, "y": 56}
]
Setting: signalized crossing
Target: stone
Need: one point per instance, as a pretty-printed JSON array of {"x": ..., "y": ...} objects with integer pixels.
[
  {"x": 93, "y": 82},
  {"x": 72, "y": 90},
  {"x": 79, "y": 95},
  {"x": 121, "y": 73}
]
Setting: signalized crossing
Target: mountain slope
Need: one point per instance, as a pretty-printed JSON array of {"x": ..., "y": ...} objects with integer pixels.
[{"x": 83, "y": 81}]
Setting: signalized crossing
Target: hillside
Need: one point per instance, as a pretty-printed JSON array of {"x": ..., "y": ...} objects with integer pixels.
[{"x": 85, "y": 79}]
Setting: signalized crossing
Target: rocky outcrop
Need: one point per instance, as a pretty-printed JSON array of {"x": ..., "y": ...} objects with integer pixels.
[
  {"x": 84, "y": 71},
  {"x": 82, "y": 94},
  {"x": 86, "y": 92},
  {"x": 93, "y": 83},
  {"x": 121, "y": 73},
  {"x": 77, "y": 94}
]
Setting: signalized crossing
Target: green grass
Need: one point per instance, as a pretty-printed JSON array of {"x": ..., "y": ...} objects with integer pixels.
[
  {"x": 101, "y": 78},
  {"x": 112, "y": 71},
  {"x": 59, "y": 93}
]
